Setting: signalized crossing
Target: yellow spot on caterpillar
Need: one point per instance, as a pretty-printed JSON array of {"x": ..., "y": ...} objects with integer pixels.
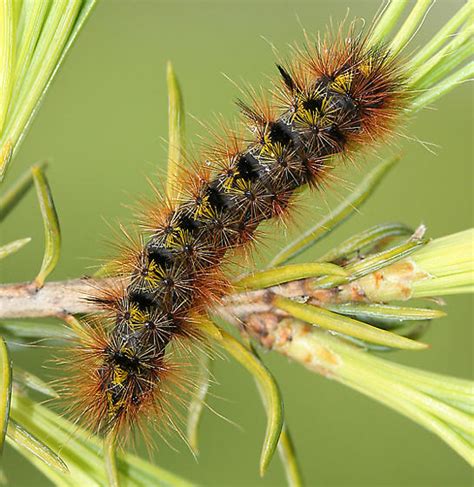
[
  {"x": 242, "y": 186},
  {"x": 113, "y": 405},
  {"x": 120, "y": 376},
  {"x": 138, "y": 317},
  {"x": 229, "y": 181},
  {"x": 366, "y": 67},
  {"x": 231, "y": 174},
  {"x": 317, "y": 117},
  {"x": 271, "y": 149},
  {"x": 173, "y": 239},
  {"x": 342, "y": 83},
  {"x": 203, "y": 208},
  {"x": 154, "y": 274},
  {"x": 308, "y": 118}
]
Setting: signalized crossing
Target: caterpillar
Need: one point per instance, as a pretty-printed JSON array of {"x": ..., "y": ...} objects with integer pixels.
[{"x": 332, "y": 100}]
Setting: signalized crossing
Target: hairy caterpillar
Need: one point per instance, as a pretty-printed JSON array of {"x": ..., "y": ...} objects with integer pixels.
[{"x": 330, "y": 101}]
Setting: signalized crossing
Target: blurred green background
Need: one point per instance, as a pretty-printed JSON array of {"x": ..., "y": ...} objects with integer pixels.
[{"x": 102, "y": 128}]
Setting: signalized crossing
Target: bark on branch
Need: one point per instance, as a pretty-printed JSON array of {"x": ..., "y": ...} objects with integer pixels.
[
  {"x": 24, "y": 300},
  {"x": 61, "y": 298}
]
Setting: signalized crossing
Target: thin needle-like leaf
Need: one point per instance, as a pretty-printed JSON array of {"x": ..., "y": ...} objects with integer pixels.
[
  {"x": 57, "y": 27},
  {"x": 110, "y": 459},
  {"x": 176, "y": 131},
  {"x": 286, "y": 448},
  {"x": 387, "y": 21},
  {"x": 52, "y": 233},
  {"x": 3, "y": 477},
  {"x": 7, "y": 53},
  {"x": 441, "y": 64},
  {"x": 353, "y": 201},
  {"x": 345, "y": 325},
  {"x": 19, "y": 436},
  {"x": 291, "y": 272},
  {"x": 34, "y": 329},
  {"x": 12, "y": 247},
  {"x": 13, "y": 195},
  {"x": 382, "y": 259},
  {"x": 388, "y": 314},
  {"x": 48, "y": 30},
  {"x": 411, "y": 25},
  {"x": 429, "y": 421},
  {"x": 372, "y": 263},
  {"x": 197, "y": 402},
  {"x": 442, "y": 36},
  {"x": 288, "y": 457},
  {"x": 443, "y": 411},
  {"x": 443, "y": 87},
  {"x": 83, "y": 452},
  {"x": 5, "y": 391},
  {"x": 373, "y": 237},
  {"x": 270, "y": 392},
  {"x": 401, "y": 390},
  {"x": 33, "y": 382},
  {"x": 32, "y": 19},
  {"x": 6, "y": 153}
]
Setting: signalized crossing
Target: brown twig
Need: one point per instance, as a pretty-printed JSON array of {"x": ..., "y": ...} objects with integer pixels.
[
  {"x": 24, "y": 300},
  {"x": 61, "y": 298}
]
